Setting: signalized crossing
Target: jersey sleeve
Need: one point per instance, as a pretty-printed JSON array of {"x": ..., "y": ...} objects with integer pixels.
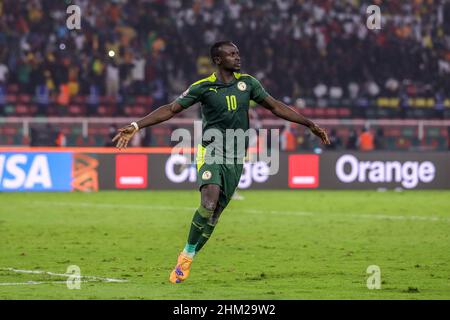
[
  {"x": 258, "y": 93},
  {"x": 190, "y": 96}
]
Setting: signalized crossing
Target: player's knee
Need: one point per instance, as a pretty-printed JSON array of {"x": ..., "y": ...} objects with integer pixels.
[
  {"x": 210, "y": 205},
  {"x": 205, "y": 210},
  {"x": 210, "y": 196}
]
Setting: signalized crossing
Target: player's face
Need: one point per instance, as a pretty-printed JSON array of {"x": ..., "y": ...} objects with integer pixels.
[{"x": 230, "y": 58}]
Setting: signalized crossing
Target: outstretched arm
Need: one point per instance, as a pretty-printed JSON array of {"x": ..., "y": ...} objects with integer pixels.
[
  {"x": 161, "y": 114},
  {"x": 283, "y": 111}
]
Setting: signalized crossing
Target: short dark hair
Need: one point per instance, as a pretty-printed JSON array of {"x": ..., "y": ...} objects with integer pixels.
[{"x": 214, "y": 51}]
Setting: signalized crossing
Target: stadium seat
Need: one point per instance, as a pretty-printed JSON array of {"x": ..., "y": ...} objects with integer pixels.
[
  {"x": 25, "y": 110},
  {"x": 71, "y": 140},
  {"x": 99, "y": 140},
  {"x": 24, "y": 98},
  {"x": 136, "y": 110},
  {"x": 25, "y": 140},
  {"x": 344, "y": 112},
  {"x": 383, "y": 113},
  {"x": 433, "y": 132},
  {"x": 108, "y": 100},
  {"x": 10, "y": 130},
  {"x": 11, "y": 98},
  {"x": 161, "y": 136},
  {"x": 79, "y": 99},
  {"x": 22, "y": 110},
  {"x": 128, "y": 111},
  {"x": 307, "y": 112},
  {"x": 52, "y": 110},
  {"x": 8, "y": 140},
  {"x": 140, "y": 110},
  {"x": 8, "y": 109},
  {"x": 106, "y": 110},
  {"x": 17, "y": 139},
  {"x": 75, "y": 110},
  {"x": 145, "y": 100},
  {"x": 12, "y": 89},
  {"x": 319, "y": 112},
  {"x": 65, "y": 129},
  {"x": 393, "y": 132},
  {"x": 331, "y": 112}
]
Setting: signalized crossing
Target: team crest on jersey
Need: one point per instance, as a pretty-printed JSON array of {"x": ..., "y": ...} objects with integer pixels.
[
  {"x": 206, "y": 175},
  {"x": 242, "y": 86}
]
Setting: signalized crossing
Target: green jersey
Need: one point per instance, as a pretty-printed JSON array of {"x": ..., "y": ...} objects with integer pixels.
[{"x": 224, "y": 105}]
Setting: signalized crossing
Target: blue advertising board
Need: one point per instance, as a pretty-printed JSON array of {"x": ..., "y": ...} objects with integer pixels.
[{"x": 36, "y": 171}]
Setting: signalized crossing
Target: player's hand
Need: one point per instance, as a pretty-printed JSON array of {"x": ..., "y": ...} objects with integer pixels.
[
  {"x": 124, "y": 136},
  {"x": 321, "y": 133}
]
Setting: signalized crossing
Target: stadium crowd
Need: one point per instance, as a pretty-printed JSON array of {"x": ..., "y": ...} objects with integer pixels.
[
  {"x": 140, "y": 54},
  {"x": 298, "y": 48}
]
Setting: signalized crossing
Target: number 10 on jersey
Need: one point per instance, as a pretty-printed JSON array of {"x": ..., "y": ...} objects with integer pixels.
[{"x": 231, "y": 102}]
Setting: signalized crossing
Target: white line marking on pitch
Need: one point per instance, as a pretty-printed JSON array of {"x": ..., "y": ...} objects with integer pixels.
[
  {"x": 367, "y": 216},
  {"x": 36, "y": 283},
  {"x": 111, "y": 205},
  {"x": 256, "y": 211},
  {"x": 93, "y": 278}
]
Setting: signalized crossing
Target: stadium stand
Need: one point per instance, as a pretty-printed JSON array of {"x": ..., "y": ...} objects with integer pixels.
[{"x": 329, "y": 66}]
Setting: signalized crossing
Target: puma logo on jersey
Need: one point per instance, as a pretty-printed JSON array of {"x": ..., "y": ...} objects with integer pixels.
[{"x": 213, "y": 89}]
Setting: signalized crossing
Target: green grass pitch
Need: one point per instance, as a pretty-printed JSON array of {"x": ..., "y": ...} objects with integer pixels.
[{"x": 272, "y": 245}]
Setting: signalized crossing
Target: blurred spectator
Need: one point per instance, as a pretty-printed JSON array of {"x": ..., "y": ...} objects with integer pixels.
[
  {"x": 147, "y": 140},
  {"x": 306, "y": 141},
  {"x": 112, "y": 79},
  {"x": 93, "y": 99},
  {"x": 112, "y": 131},
  {"x": 137, "y": 139},
  {"x": 2, "y": 95},
  {"x": 288, "y": 141},
  {"x": 352, "y": 142},
  {"x": 61, "y": 140},
  {"x": 63, "y": 96},
  {"x": 138, "y": 75},
  {"x": 2, "y": 99},
  {"x": 3, "y": 74},
  {"x": 335, "y": 141},
  {"x": 448, "y": 139},
  {"x": 379, "y": 139},
  {"x": 366, "y": 140},
  {"x": 43, "y": 136}
]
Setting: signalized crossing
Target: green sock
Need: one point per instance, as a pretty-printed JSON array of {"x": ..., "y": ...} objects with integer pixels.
[
  {"x": 207, "y": 231},
  {"x": 199, "y": 221}
]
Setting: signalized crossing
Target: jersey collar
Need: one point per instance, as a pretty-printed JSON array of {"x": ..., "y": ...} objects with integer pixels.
[{"x": 213, "y": 78}]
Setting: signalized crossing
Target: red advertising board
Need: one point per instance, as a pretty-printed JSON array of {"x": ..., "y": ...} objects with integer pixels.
[
  {"x": 304, "y": 171},
  {"x": 131, "y": 171}
]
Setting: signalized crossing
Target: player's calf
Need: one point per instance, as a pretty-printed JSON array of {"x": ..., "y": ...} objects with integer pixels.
[
  {"x": 182, "y": 268},
  {"x": 209, "y": 228}
]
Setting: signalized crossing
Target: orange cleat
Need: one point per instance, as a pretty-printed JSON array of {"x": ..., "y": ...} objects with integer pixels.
[{"x": 182, "y": 269}]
